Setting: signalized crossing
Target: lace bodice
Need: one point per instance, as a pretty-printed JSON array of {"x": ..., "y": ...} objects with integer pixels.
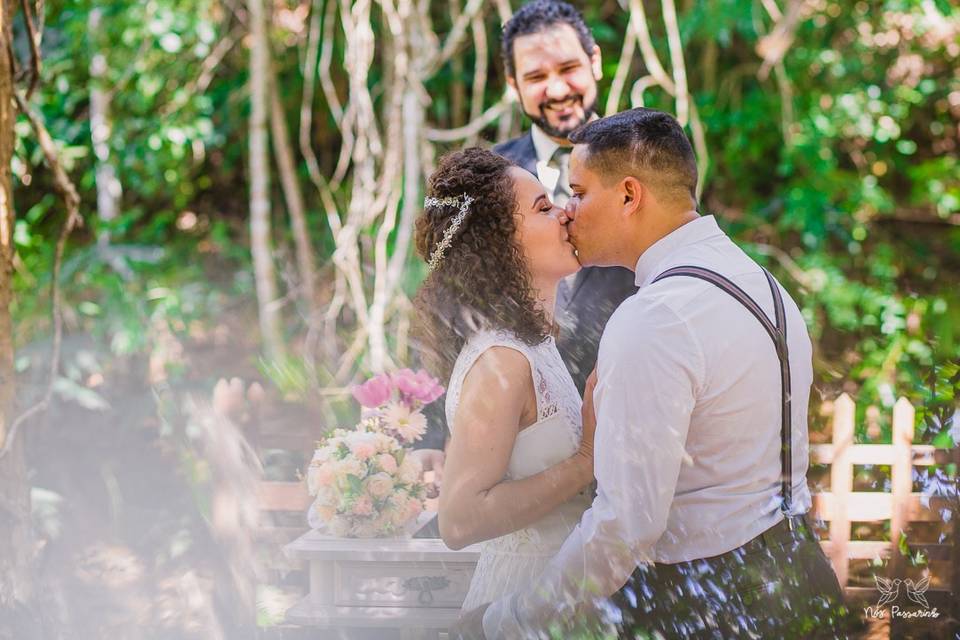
[
  {"x": 555, "y": 389},
  {"x": 508, "y": 562}
]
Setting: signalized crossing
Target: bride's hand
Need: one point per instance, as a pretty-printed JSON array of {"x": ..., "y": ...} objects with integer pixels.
[
  {"x": 589, "y": 417},
  {"x": 470, "y": 625}
]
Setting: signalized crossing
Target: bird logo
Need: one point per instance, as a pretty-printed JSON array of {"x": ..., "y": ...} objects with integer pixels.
[
  {"x": 916, "y": 591},
  {"x": 889, "y": 589}
]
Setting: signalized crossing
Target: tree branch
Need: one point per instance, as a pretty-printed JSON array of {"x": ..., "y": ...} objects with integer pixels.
[
  {"x": 774, "y": 46},
  {"x": 472, "y": 128},
  {"x": 623, "y": 70},
  {"x": 455, "y": 36},
  {"x": 677, "y": 61},
  {"x": 33, "y": 35},
  {"x": 479, "y": 72},
  {"x": 71, "y": 200},
  {"x": 323, "y": 66}
]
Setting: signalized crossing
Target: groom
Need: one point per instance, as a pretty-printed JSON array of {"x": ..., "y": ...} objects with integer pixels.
[{"x": 698, "y": 529}]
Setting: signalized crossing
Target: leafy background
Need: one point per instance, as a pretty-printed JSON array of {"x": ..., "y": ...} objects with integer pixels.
[{"x": 838, "y": 170}]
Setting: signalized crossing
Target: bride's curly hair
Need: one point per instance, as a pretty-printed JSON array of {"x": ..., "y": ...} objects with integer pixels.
[{"x": 483, "y": 281}]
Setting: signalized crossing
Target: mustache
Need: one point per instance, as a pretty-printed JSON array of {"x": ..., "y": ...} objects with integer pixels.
[{"x": 576, "y": 97}]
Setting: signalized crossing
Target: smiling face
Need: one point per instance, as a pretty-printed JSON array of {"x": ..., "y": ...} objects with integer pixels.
[
  {"x": 541, "y": 236},
  {"x": 555, "y": 79},
  {"x": 595, "y": 211}
]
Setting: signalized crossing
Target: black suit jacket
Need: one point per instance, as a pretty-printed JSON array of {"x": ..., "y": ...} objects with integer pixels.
[{"x": 584, "y": 308}]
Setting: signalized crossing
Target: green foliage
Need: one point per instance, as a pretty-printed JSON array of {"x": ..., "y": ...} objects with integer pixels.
[
  {"x": 844, "y": 159},
  {"x": 859, "y": 190},
  {"x": 290, "y": 376}
]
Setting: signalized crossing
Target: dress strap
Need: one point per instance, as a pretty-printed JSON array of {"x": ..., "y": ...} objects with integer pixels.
[{"x": 777, "y": 331}]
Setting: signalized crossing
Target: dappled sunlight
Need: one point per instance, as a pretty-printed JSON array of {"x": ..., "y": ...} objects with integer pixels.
[{"x": 300, "y": 301}]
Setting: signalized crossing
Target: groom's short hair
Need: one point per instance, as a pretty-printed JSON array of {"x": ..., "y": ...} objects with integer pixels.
[{"x": 647, "y": 144}]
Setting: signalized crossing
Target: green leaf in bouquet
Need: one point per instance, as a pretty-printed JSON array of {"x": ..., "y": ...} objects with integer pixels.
[{"x": 354, "y": 484}]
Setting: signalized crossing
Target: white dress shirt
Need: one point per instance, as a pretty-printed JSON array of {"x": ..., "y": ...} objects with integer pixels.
[
  {"x": 687, "y": 451},
  {"x": 553, "y": 170}
]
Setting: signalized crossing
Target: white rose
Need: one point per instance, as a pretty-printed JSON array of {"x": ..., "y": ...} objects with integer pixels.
[
  {"x": 410, "y": 470},
  {"x": 398, "y": 514},
  {"x": 351, "y": 466},
  {"x": 385, "y": 443},
  {"x": 379, "y": 485},
  {"x": 322, "y": 454},
  {"x": 327, "y": 497}
]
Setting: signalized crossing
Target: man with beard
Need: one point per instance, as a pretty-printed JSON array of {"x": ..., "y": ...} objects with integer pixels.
[{"x": 552, "y": 62}]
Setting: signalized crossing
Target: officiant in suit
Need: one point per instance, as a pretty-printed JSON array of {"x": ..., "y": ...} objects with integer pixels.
[{"x": 552, "y": 62}]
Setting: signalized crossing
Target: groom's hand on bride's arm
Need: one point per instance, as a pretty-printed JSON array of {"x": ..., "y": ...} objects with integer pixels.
[
  {"x": 470, "y": 625},
  {"x": 431, "y": 461}
]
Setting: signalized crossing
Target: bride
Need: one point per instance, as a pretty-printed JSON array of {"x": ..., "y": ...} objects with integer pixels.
[{"x": 520, "y": 461}]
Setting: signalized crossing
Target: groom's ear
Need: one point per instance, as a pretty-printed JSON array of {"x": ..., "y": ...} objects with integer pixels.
[
  {"x": 596, "y": 65},
  {"x": 631, "y": 192},
  {"x": 512, "y": 87}
]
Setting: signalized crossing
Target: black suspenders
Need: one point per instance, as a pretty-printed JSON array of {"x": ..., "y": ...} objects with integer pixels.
[{"x": 777, "y": 333}]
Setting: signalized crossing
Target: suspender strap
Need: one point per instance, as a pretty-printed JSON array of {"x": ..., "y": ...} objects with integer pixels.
[{"x": 777, "y": 331}]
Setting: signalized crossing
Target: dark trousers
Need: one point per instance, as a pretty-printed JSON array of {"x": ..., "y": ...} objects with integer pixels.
[{"x": 778, "y": 585}]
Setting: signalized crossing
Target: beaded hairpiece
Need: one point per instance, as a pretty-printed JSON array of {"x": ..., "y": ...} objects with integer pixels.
[{"x": 464, "y": 202}]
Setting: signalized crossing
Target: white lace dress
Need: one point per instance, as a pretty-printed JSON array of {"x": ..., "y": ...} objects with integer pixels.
[{"x": 509, "y": 562}]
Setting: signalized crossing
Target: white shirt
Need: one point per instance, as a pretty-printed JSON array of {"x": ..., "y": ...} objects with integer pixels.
[
  {"x": 549, "y": 172},
  {"x": 687, "y": 451}
]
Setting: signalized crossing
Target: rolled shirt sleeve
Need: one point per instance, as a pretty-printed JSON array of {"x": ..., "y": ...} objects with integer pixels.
[{"x": 649, "y": 370}]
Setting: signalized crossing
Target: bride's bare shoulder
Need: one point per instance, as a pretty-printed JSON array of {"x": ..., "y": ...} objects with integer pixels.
[{"x": 500, "y": 367}]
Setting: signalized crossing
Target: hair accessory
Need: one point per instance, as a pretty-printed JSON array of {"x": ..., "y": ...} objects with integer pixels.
[{"x": 464, "y": 202}]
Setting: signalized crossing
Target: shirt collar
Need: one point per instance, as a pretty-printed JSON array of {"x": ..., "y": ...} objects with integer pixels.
[
  {"x": 544, "y": 145},
  {"x": 692, "y": 232}
]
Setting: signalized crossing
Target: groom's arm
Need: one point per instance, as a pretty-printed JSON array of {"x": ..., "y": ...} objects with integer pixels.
[{"x": 649, "y": 372}]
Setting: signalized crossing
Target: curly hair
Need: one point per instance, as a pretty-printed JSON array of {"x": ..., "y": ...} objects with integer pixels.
[{"x": 483, "y": 281}]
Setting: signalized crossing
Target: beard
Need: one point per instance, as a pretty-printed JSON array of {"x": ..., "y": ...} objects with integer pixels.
[{"x": 564, "y": 130}]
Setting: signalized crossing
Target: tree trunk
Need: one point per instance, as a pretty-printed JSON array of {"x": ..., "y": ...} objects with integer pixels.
[
  {"x": 287, "y": 169},
  {"x": 16, "y": 548},
  {"x": 260, "y": 245},
  {"x": 109, "y": 189}
]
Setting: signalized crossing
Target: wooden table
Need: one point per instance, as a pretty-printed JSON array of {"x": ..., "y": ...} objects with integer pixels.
[{"x": 401, "y": 587}]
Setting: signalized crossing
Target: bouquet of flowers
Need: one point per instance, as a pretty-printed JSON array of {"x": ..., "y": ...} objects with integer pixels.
[{"x": 364, "y": 482}]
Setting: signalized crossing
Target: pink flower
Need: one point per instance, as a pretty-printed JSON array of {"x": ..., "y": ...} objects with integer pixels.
[
  {"x": 414, "y": 508},
  {"x": 362, "y": 506},
  {"x": 363, "y": 449},
  {"x": 419, "y": 386},
  {"x": 325, "y": 512},
  {"x": 379, "y": 485},
  {"x": 387, "y": 462},
  {"x": 374, "y": 392},
  {"x": 319, "y": 475}
]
